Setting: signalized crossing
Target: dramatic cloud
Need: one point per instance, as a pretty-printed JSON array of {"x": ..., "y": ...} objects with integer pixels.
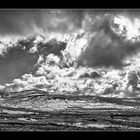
[
  {"x": 106, "y": 47},
  {"x": 63, "y": 39}
]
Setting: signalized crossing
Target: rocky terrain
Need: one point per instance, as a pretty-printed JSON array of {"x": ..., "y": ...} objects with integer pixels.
[{"x": 39, "y": 111}]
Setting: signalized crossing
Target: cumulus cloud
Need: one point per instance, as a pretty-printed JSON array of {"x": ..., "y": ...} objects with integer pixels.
[
  {"x": 27, "y": 82},
  {"x": 104, "y": 46},
  {"x": 95, "y": 42}
]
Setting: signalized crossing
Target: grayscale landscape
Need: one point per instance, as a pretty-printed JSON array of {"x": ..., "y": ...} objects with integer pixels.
[{"x": 69, "y": 70}]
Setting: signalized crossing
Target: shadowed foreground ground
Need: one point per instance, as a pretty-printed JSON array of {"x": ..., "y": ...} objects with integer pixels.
[{"x": 39, "y": 111}]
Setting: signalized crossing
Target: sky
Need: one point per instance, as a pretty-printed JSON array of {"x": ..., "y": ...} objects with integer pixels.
[{"x": 39, "y": 45}]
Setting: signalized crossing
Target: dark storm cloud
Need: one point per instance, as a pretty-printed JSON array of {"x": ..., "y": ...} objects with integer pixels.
[
  {"x": 17, "y": 60},
  {"x": 106, "y": 48},
  {"x": 16, "y": 63}
]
